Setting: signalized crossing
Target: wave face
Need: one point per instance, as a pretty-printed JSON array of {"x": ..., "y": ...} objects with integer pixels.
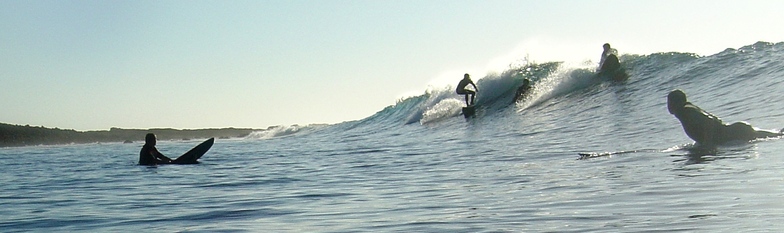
[
  {"x": 722, "y": 74},
  {"x": 738, "y": 80}
]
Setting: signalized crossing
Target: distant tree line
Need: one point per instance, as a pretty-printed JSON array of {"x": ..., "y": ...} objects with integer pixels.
[{"x": 18, "y": 135}]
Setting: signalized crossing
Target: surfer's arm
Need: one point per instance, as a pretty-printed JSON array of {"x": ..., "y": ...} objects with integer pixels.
[
  {"x": 700, "y": 127},
  {"x": 160, "y": 156}
]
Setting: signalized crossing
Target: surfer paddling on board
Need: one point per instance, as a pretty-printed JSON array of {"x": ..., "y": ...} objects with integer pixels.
[
  {"x": 149, "y": 155},
  {"x": 707, "y": 129},
  {"x": 461, "y": 89}
]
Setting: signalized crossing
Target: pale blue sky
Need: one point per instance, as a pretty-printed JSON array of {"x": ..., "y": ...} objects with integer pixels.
[{"x": 89, "y": 65}]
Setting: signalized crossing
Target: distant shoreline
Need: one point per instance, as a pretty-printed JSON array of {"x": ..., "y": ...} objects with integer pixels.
[{"x": 18, "y": 135}]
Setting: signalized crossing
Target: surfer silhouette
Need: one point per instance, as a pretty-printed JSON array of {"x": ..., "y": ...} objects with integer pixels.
[
  {"x": 609, "y": 60},
  {"x": 461, "y": 89},
  {"x": 606, "y": 53},
  {"x": 522, "y": 90},
  {"x": 149, "y": 155},
  {"x": 707, "y": 129}
]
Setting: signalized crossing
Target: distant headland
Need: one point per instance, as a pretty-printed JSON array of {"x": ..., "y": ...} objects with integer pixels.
[{"x": 18, "y": 135}]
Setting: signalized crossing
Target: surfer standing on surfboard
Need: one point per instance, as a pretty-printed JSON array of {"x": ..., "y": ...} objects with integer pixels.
[
  {"x": 707, "y": 129},
  {"x": 149, "y": 155},
  {"x": 461, "y": 89}
]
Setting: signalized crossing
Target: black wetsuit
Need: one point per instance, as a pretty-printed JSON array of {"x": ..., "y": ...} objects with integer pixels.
[
  {"x": 707, "y": 129},
  {"x": 460, "y": 90},
  {"x": 522, "y": 91},
  {"x": 150, "y": 156},
  {"x": 611, "y": 63}
]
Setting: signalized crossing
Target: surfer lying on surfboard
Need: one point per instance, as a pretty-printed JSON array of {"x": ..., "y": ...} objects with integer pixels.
[
  {"x": 707, "y": 129},
  {"x": 461, "y": 89}
]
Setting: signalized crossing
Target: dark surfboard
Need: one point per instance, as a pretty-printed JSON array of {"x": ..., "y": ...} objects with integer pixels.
[
  {"x": 193, "y": 155},
  {"x": 469, "y": 111}
]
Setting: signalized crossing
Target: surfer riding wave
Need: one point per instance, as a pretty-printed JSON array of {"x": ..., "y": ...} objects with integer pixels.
[{"x": 461, "y": 89}]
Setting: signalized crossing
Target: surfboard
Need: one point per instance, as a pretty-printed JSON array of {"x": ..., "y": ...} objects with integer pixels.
[
  {"x": 469, "y": 111},
  {"x": 193, "y": 155},
  {"x": 584, "y": 156}
]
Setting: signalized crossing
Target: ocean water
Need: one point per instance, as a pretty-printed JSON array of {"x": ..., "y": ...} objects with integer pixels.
[{"x": 419, "y": 166}]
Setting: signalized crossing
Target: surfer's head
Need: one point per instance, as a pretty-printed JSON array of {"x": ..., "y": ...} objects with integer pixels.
[
  {"x": 466, "y": 76},
  {"x": 675, "y": 101},
  {"x": 606, "y": 46},
  {"x": 150, "y": 139},
  {"x": 526, "y": 82}
]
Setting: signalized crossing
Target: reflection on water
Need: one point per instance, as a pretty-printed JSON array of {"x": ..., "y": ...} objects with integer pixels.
[{"x": 697, "y": 154}]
